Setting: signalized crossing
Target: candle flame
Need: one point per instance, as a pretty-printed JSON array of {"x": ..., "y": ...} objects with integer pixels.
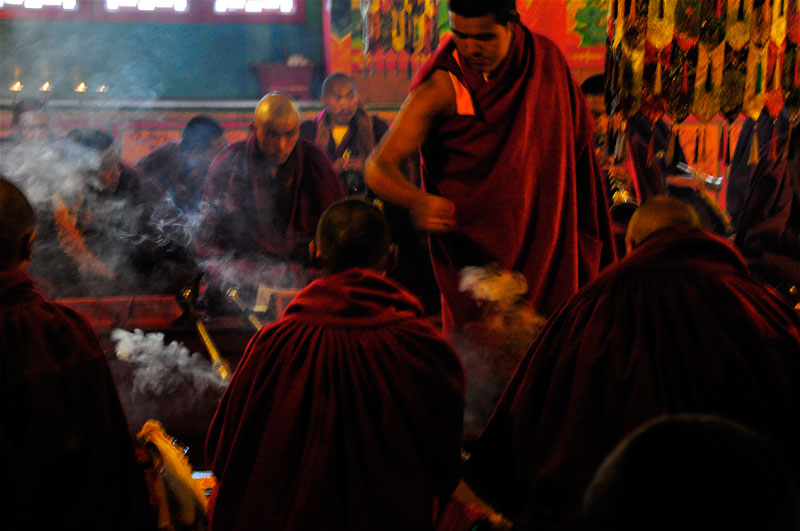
[
  {"x": 45, "y": 87},
  {"x": 81, "y": 87},
  {"x": 16, "y": 87},
  {"x": 102, "y": 88}
]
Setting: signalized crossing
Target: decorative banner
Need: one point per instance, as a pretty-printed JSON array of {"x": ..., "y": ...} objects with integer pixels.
[
  {"x": 708, "y": 83},
  {"x": 752, "y": 65}
]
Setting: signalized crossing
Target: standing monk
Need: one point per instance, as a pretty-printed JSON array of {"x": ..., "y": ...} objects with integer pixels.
[{"x": 508, "y": 170}]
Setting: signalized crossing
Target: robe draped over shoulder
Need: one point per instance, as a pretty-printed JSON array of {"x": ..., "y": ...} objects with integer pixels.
[
  {"x": 520, "y": 167},
  {"x": 344, "y": 414},
  {"x": 678, "y": 326}
]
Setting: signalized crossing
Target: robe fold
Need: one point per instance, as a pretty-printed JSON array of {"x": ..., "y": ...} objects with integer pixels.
[
  {"x": 345, "y": 414},
  {"x": 248, "y": 214},
  {"x": 519, "y": 165},
  {"x": 764, "y": 203},
  {"x": 68, "y": 459},
  {"x": 679, "y": 326}
]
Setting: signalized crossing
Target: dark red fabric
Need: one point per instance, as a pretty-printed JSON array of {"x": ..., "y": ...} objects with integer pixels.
[
  {"x": 67, "y": 456},
  {"x": 679, "y": 326},
  {"x": 167, "y": 166},
  {"x": 523, "y": 176},
  {"x": 248, "y": 215},
  {"x": 764, "y": 204},
  {"x": 345, "y": 414},
  {"x": 364, "y": 132}
]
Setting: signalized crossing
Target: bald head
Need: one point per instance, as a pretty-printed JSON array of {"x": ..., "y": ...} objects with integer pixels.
[
  {"x": 658, "y": 213},
  {"x": 276, "y": 125},
  {"x": 16, "y": 226},
  {"x": 353, "y": 233}
]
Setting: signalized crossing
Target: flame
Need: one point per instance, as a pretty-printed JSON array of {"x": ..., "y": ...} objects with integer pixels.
[
  {"x": 81, "y": 87},
  {"x": 102, "y": 88},
  {"x": 16, "y": 87},
  {"x": 45, "y": 87}
]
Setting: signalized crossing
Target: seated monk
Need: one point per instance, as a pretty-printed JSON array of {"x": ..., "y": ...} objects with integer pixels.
[
  {"x": 107, "y": 230},
  {"x": 679, "y": 326},
  {"x": 68, "y": 459},
  {"x": 344, "y": 131},
  {"x": 693, "y": 473},
  {"x": 262, "y": 199},
  {"x": 180, "y": 167},
  {"x": 346, "y": 413}
]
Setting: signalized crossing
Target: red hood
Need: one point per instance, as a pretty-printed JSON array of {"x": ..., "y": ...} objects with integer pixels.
[{"x": 354, "y": 296}]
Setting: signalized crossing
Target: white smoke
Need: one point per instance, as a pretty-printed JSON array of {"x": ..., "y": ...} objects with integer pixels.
[
  {"x": 163, "y": 368},
  {"x": 491, "y": 348},
  {"x": 164, "y": 382}
]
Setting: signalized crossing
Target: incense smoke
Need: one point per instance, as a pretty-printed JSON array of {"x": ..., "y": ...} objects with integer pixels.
[
  {"x": 164, "y": 382},
  {"x": 491, "y": 348}
]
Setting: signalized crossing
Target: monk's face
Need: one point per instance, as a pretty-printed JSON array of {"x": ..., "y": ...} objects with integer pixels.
[
  {"x": 481, "y": 40},
  {"x": 597, "y": 106},
  {"x": 34, "y": 127},
  {"x": 341, "y": 101},
  {"x": 277, "y": 137}
]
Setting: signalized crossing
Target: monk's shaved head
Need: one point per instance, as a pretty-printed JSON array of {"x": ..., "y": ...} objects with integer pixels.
[
  {"x": 274, "y": 106},
  {"x": 353, "y": 233},
  {"x": 658, "y": 213},
  {"x": 276, "y": 126},
  {"x": 16, "y": 225}
]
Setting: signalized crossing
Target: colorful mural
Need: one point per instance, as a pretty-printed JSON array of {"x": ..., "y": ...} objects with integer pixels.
[{"x": 391, "y": 38}]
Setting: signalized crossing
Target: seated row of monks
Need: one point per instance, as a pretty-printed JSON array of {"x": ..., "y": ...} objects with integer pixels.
[
  {"x": 347, "y": 412},
  {"x": 109, "y": 228}
]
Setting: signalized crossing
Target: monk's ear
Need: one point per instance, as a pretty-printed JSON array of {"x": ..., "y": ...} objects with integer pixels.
[
  {"x": 314, "y": 257},
  {"x": 26, "y": 248},
  {"x": 391, "y": 258},
  {"x": 629, "y": 245},
  {"x": 251, "y": 128}
]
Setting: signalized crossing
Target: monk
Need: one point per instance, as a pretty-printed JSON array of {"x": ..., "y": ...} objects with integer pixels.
[
  {"x": 679, "y": 326},
  {"x": 104, "y": 231},
  {"x": 344, "y": 131},
  {"x": 68, "y": 459},
  {"x": 763, "y": 199},
  {"x": 692, "y": 472},
  {"x": 180, "y": 167},
  {"x": 508, "y": 171},
  {"x": 346, "y": 413},
  {"x": 262, "y": 199}
]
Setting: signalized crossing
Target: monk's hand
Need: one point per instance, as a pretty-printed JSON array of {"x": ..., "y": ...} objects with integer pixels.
[{"x": 434, "y": 213}]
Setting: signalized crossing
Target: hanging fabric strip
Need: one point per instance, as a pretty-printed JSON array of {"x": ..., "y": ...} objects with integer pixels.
[
  {"x": 737, "y": 24},
  {"x": 753, "y": 102},
  {"x": 753, "y": 160}
]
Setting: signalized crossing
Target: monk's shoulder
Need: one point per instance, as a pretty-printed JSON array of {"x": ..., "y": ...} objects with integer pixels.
[{"x": 435, "y": 95}]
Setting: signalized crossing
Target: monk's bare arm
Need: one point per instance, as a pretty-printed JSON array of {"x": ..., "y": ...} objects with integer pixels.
[{"x": 431, "y": 101}]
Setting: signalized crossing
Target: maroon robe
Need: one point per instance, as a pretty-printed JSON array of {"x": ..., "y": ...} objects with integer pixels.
[
  {"x": 523, "y": 176},
  {"x": 679, "y": 326},
  {"x": 168, "y": 166},
  {"x": 345, "y": 414},
  {"x": 68, "y": 459},
  {"x": 248, "y": 215}
]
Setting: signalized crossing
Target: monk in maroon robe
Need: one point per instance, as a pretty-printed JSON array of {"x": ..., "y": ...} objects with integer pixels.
[
  {"x": 68, "y": 459},
  {"x": 346, "y": 413},
  {"x": 678, "y": 326},
  {"x": 262, "y": 199},
  {"x": 508, "y": 168},
  {"x": 180, "y": 168}
]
